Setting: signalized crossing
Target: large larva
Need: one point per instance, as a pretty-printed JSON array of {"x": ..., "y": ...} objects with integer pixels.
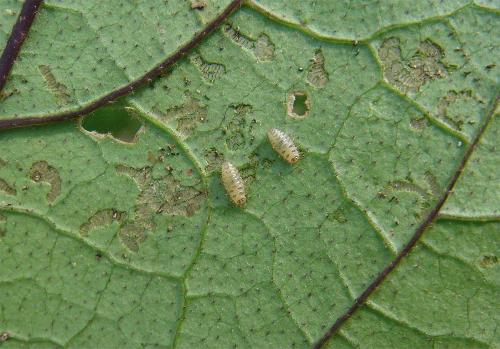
[
  {"x": 233, "y": 183},
  {"x": 283, "y": 145}
]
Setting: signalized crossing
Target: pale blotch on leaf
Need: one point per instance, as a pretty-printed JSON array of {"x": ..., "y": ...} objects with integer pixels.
[
  {"x": 162, "y": 194},
  {"x": 298, "y": 105},
  {"x": 454, "y": 108},
  {"x": 185, "y": 117},
  {"x": 433, "y": 184},
  {"x": 6, "y": 188},
  {"x": 58, "y": 89},
  {"x": 41, "y": 171},
  {"x": 317, "y": 75},
  {"x": 2, "y": 224},
  {"x": 262, "y": 48},
  {"x": 249, "y": 170},
  {"x": 433, "y": 189},
  {"x": 214, "y": 159},
  {"x": 210, "y": 71},
  {"x": 132, "y": 235},
  {"x": 419, "y": 124},
  {"x": 239, "y": 129},
  {"x": 394, "y": 192},
  {"x": 99, "y": 219},
  {"x": 339, "y": 216},
  {"x": 405, "y": 185},
  {"x": 409, "y": 74}
]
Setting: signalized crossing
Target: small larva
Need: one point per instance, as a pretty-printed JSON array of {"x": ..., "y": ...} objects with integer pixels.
[
  {"x": 283, "y": 145},
  {"x": 233, "y": 183}
]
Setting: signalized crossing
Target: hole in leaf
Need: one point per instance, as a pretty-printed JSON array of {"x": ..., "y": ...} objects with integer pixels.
[
  {"x": 116, "y": 121},
  {"x": 298, "y": 105}
]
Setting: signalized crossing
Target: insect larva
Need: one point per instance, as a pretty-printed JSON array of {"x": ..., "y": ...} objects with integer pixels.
[
  {"x": 283, "y": 145},
  {"x": 233, "y": 183}
]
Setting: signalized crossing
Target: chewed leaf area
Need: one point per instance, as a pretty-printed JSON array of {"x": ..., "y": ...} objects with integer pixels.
[
  {"x": 103, "y": 217},
  {"x": 107, "y": 54},
  {"x": 119, "y": 228},
  {"x": 119, "y": 122},
  {"x": 444, "y": 71}
]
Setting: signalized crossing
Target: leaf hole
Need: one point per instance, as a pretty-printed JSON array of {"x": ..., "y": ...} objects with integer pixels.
[
  {"x": 298, "y": 105},
  {"x": 120, "y": 123}
]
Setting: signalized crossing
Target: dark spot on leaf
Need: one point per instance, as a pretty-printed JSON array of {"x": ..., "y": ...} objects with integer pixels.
[{"x": 488, "y": 261}]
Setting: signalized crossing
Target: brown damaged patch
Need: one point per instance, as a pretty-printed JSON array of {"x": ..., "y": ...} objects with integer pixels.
[
  {"x": 165, "y": 194},
  {"x": 2, "y": 224},
  {"x": 41, "y": 171},
  {"x": 186, "y": 117},
  {"x": 6, "y": 188},
  {"x": 99, "y": 219},
  {"x": 159, "y": 194},
  {"x": 262, "y": 48},
  {"x": 409, "y": 74},
  {"x": 419, "y": 124},
  {"x": 57, "y": 88},
  {"x": 239, "y": 127},
  {"x": 209, "y": 70},
  {"x": 425, "y": 192},
  {"x": 132, "y": 235},
  {"x": 455, "y": 108},
  {"x": 214, "y": 159},
  {"x": 4, "y": 94},
  {"x": 317, "y": 75},
  {"x": 404, "y": 185}
]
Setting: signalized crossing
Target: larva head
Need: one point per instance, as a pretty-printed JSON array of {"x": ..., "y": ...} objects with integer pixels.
[
  {"x": 241, "y": 201},
  {"x": 294, "y": 158}
]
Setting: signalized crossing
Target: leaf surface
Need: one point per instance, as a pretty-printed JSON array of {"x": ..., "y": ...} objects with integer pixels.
[
  {"x": 101, "y": 47},
  {"x": 115, "y": 230},
  {"x": 9, "y": 10}
]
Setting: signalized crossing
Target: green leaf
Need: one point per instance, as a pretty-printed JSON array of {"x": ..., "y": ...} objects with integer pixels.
[
  {"x": 110, "y": 44},
  {"x": 116, "y": 231},
  {"x": 9, "y": 10}
]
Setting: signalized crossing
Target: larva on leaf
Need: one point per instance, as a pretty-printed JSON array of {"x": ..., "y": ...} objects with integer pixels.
[
  {"x": 233, "y": 183},
  {"x": 283, "y": 145}
]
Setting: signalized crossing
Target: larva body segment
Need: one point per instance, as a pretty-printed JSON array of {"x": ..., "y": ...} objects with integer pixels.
[
  {"x": 283, "y": 145},
  {"x": 233, "y": 183}
]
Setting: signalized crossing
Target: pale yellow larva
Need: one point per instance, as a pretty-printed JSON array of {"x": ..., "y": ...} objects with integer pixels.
[
  {"x": 283, "y": 145},
  {"x": 233, "y": 183}
]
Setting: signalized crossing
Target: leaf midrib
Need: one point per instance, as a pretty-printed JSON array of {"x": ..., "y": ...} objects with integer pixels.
[
  {"x": 431, "y": 217},
  {"x": 121, "y": 91}
]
